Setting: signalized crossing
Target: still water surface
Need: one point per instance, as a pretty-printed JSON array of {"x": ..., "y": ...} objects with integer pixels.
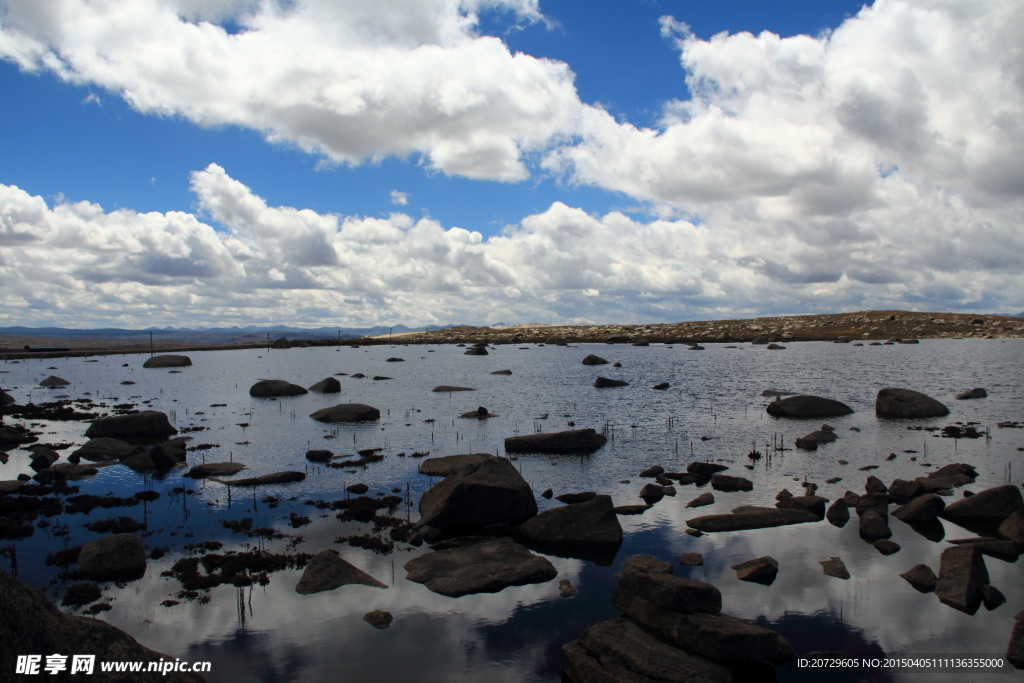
[{"x": 712, "y": 412}]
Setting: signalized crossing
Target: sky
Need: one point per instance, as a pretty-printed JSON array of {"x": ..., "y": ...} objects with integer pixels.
[{"x": 315, "y": 163}]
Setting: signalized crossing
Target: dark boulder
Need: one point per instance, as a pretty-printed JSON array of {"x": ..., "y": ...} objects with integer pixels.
[
  {"x": 605, "y": 383},
  {"x": 116, "y": 557},
  {"x": 672, "y": 593},
  {"x": 702, "y": 500},
  {"x": 274, "y": 388},
  {"x": 578, "y": 530},
  {"x": 569, "y": 442},
  {"x": 445, "y": 389},
  {"x": 653, "y": 471},
  {"x": 266, "y": 479},
  {"x": 972, "y": 393},
  {"x": 834, "y": 566},
  {"x": 594, "y": 360},
  {"x": 962, "y": 575},
  {"x": 378, "y": 618},
  {"x": 992, "y": 505},
  {"x": 480, "y": 494},
  {"x": 215, "y": 469},
  {"x": 706, "y": 469},
  {"x": 811, "y": 441},
  {"x": 149, "y": 425},
  {"x": 327, "y": 571},
  {"x": 167, "y": 362},
  {"x": 476, "y": 351},
  {"x": 907, "y": 404},
  {"x": 104, "y": 448},
  {"x": 484, "y": 567},
  {"x": 901, "y": 489},
  {"x": 725, "y": 482},
  {"x": 30, "y": 623},
  {"x": 875, "y": 485},
  {"x": 920, "y": 509},
  {"x": 6, "y": 399},
  {"x": 1012, "y": 528},
  {"x": 873, "y": 527},
  {"x": 502, "y": 372},
  {"x": 319, "y": 455},
  {"x": 346, "y": 412},
  {"x": 652, "y": 493},
  {"x": 54, "y": 381},
  {"x": 758, "y": 569},
  {"x": 480, "y": 413},
  {"x": 886, "y": 547},
  {"x": 807, "y": 407},
  {"x": 921, "y": 577},
  {"x": 662, "y": 386},
  {"x": 812, "y": 503},
  {"x": 838, "y": 513},
  {"x": 620, "y": 651},
  {"x": 327, "y": 386}
]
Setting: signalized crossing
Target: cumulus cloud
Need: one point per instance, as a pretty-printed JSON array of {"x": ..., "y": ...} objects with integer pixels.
[
  {"x": 78, "y": 264},
  {"x": 348, "y": 80},
  {"x": 401, "y": 198}
]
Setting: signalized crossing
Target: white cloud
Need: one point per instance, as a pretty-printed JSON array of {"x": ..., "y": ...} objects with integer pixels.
[
  {"x": 348, "y": 80},
  {"x": 401, "y": 198},
  {"x": 78, "y": 264}
]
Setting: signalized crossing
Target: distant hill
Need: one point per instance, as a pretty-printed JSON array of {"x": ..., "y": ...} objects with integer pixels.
[{"x": 222, "y": 335}]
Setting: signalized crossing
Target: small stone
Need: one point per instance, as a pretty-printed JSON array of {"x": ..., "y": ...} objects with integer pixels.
[
  {"x": 992, "y": 597},
  {"x": 886, "y": 547},
  {"x": 566, "y": 589},
  {"x": 834, "y": 567},
  {"x": 378, "y": 618},
  {"x": 921, "y": 577},
  {"x": 691, "y": 559}
]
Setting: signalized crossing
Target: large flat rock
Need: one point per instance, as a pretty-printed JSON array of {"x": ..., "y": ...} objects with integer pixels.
[
  {"x": 327, "y": 571},
  {"x": 215, "y": 469},
  {"x": 674, "y": 593},
  {"x": 990, "y": 505},
  {"x": 119, "y": 556},
  {"x": 568, "y": 442},
  {"x": 485, "y": 567},
  {"x": 273, "y": 478},
  {"x": 751, "y": 517}
]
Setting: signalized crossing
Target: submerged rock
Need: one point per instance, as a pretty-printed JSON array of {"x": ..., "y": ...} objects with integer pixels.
[
  {"x": 328, "y": 571},
  {"x": 378, "y": 618},
  {"x": 972, "y": 393},
  {"x": 319, "y": 455},
  {"x": 167, "y": 361},
  {"x": 450, "y": 464},
  {"x": 604, "y": 383},
  {"x": 907, "y": 404},
  {"x": 484, "y": 567},
  {"x": 647, "y": 563},
  {"x": 807, "y": 407},
  {"x": 104, "y": 448},
  {"x": 444, "y": 388},
  {"x": 594, "y": 360},
  {"x": 838, "y": 513},
  {"x": 811, "y": 441},
  {"x": 54, "y": 381},
  {"x": 702, "y": 500},
  {"x": 725, "y": 482},
  {"x": 568, "y": 442}
]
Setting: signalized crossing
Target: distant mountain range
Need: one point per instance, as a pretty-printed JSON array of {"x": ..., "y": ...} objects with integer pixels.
[{"x": 218, "y": 334}]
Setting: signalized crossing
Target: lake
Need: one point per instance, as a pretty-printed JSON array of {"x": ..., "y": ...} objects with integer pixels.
[{"x": 713, "y": 411}]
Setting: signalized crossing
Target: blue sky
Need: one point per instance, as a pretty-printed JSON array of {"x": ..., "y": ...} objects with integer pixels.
[{"x": 231, "y": 162}]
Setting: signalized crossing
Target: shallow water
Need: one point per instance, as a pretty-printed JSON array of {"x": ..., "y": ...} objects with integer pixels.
[{"x": 272, "y": 633}]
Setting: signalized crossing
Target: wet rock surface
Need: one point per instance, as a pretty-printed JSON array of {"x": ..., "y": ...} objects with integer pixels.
[
  {"x": 580, "y": 529},
  {"x": 751, "y": 517},
  {"x": 346, "y": 412},
  {"x": 328, "y": 385},
  {"x": 907, "y": 404},
  {"x": 807, "y": 407},
  {"x": 215, "y": 469},
  {"x": 489, "y": 491},
  {"x": 147, "y": 425}
]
